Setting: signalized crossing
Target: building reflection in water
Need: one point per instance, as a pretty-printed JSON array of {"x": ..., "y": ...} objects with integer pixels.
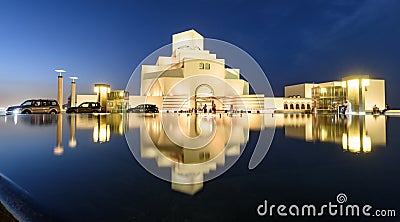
[
  {"x": 190, "y": 167},
  {"x": 355, "y": 133},
  {"x": 101, "y": 131},
  {"x": 224, "y": 135},
  {"x": 103, "y": 125}
]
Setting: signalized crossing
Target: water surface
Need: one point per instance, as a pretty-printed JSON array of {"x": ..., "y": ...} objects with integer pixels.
[{"x": 80, "y": 167}]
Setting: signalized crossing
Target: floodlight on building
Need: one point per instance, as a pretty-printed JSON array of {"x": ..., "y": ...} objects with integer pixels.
[
  {"x": 102, "y": 88},
  {"x": 353, "y": 83},
  {"x": 365, "y": 82}
]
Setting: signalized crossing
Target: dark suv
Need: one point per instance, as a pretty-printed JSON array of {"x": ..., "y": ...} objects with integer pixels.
[
  {"x": 144, "y": 108},
  {"x": 34, "y": 106},
  {"x": 86, "y": 107}
]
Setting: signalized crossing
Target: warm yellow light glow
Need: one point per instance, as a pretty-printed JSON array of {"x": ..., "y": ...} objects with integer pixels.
[
  {"x": 367, "y": 148},
  {"x": 323, "y": 90},
  {"x": 58, "y": 151},
  {"x": 324, "y": 135},
  {"x": 72, "y": 143},
  {"x": 354, "y": 144},
  {"x": 352, "y": 83},
  {"x": 102, "y": 134},
  {"x": 102, "y": 89},
  {"x": 344, "y": 85},
  {"x": 344, "y": 141},
  {"x": 365, "y": 82},
  {"x": 121, "y": 94}
]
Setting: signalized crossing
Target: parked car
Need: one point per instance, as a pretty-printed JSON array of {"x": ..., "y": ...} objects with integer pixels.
[
  {"x": 86, "y": 107},
  {"x": 144, "y": 108},
  {"x": 35, "y": 106}
]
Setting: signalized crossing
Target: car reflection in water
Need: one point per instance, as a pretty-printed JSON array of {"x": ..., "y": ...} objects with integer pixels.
[{"x": 34, "y": 120}]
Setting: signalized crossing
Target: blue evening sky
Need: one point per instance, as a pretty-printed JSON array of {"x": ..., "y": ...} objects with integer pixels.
[{"x": 103, "y": 41}]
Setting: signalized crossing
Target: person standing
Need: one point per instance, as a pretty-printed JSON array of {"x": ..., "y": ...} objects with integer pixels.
[
  {"x": 231, "y": 109},
  {"x": 205, "y": 108},
  {"x": 348, "y": 107}
]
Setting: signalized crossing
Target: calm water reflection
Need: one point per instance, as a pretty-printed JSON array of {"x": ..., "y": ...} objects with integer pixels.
[
  {"x": 80, "y": 167},
  {"x": 356, "y": 134}
]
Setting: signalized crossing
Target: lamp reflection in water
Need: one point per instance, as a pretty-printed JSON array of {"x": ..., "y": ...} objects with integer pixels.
[
  {"x": 72, "y": 140},
  {"x": 59, "y": 150}
]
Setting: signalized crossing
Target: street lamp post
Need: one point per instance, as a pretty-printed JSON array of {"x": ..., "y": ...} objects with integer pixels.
[
  {"x": 73, "y": 91},
  {"x": 60, "y": 87}
]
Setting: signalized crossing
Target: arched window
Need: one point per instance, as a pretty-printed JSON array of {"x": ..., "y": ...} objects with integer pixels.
[
  {"x": 291, "y": 106},
  {"x": 285, "y": 106},
  {"x": 297, "y": 106},
  {"x": 308, "y": 106},
  {"x": 303, "y": 106},
  {"x": 201, "y": 65}
]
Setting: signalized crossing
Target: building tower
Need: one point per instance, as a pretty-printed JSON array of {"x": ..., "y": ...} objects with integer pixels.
[{"x": 102, "y": 91}]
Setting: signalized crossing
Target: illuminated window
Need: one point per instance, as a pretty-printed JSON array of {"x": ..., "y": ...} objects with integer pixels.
[
  {"x": 207, "y": 66},
  {"x": 85, "y": 105},
  {"x": 204, "y": 156},
  {"x": 201, "y": 65},
  {"x": 285, "y": 106}
]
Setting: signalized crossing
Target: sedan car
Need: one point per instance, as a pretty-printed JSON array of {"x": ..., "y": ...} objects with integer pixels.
[
  {"x": 144, "y": 108},
  {"x": 86, "y": 107}
]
